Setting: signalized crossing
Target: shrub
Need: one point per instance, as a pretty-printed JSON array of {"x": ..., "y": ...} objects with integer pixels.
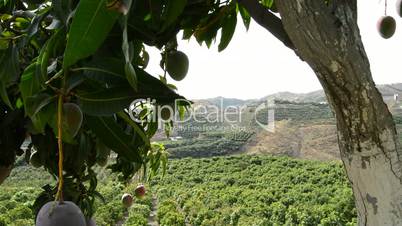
[{"x": 136, "y": 219}]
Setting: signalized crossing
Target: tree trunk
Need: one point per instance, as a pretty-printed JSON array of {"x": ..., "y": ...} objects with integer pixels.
[{"x": 326, "y": 36}]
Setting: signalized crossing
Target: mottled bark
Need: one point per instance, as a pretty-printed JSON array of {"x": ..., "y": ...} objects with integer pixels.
[{"x": 327, "y": 37}]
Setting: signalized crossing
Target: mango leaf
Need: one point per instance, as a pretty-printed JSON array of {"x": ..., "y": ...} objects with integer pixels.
[
  {"x": 208, "y": 30},
  {"x": 45, "y": 116},
  {"x": 118, "y": 97},
  {"x": 151, "y": 87},
  {"x": 114, "y": 137},
  {"x": 35, "y": 103},
  {"x": 228, "y": 29},
  {"x": 173, "y": 10},
  {"x": 62, "y": 9},
  {"x": 44, "y": 54},
  {"x": 187, "y": 33},
  {"x": 42, "y": 112},
  {"x": 29, "y": 85},
  {"x": 48, "y": 116},
  {"x": 9, "y": 65},
  {"x": 245, "y": 16},
  {"x": 105, "y": 70},
  {"x": 128, "y": 51},
  {"x": 107, "y": 101},
  {"x": 91, "y": 24},
  {"x": 137, "y": 128},
  {"x": 131, "y": 75},
  {"x": 4, "y": 95},
  {"x": 267, "y": 3}
]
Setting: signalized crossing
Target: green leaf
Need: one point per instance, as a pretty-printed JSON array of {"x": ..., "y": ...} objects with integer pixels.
[
  {"x": 228, "y": 29},
  {"x": 114, "y": 137},
  {"x": 267, "y": 3},
  {"x": 187, "y": 33},
  {"x": 47, "y": 115},
  {"x": 44, "y": 54},
  {"x": 131, "y": 75},
  {"x": 106, "y": 70},
  {"x": 39, "y": 122},
  {"x": 128, "y": 51},
  {"x": 4, "y": 44},
  {"x": 9, "y": 65},
  {"x": 107, "y": 101},
  {"x": 91, "y": 24},
  {"x": 173, "y": 10},
  {"x": 120, "y": 94},
  {"x": 35, "y": 103},
  {"x": 245, "y": 16},
  {"x": 137, "y": 128},
  {"x": 4, "y": 95},
  {"x": 208, "y": 29},
  {"x": 29, "y": 85},
  {"x": 62, "y": 9}
]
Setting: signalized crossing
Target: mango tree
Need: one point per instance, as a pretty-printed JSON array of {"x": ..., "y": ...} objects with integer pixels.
[{"x": 70, "y": 68}]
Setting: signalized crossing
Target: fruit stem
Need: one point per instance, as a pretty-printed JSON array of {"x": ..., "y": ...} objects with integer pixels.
[
  {"x": 164, "y": 65},
  {"x": 59, "y": 194},
  {"x": 385, "y": 7}
]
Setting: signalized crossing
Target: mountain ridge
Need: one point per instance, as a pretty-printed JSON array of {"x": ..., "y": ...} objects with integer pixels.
[{"x": 316, "y": 96}]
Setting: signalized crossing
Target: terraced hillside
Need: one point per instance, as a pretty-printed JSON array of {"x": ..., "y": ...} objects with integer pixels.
[{"x": 304, "y": 126}]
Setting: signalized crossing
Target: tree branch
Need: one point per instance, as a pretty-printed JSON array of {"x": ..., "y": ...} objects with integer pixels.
[{"x": 267, "y": 20}]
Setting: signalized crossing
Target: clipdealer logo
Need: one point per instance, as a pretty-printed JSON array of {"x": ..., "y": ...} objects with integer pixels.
[
  {"x": 268, "y": 106},
  {"x": 148, "y": 110}
]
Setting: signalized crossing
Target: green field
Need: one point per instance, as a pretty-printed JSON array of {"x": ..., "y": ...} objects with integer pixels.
[
  {"x": 254, "y": 190},
  {"x": 18, "y": 194},
  {"x": 237, "y": 190}
]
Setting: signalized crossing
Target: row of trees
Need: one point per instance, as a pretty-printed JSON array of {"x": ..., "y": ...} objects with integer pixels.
[{"x": 254, "y": 190}]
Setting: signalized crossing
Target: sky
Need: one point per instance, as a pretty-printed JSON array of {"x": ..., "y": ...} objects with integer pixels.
[{"x": 256, "y": 64}]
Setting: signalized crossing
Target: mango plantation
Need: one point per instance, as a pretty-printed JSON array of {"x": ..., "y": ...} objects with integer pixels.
[{"x": 79, "y": 113}]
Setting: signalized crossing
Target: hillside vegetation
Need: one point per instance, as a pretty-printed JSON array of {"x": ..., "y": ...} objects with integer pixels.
[
  {"x": 304, "y": 127},
  {"x": 239, "y": 190},
  {"x": 254, "y": 190}
]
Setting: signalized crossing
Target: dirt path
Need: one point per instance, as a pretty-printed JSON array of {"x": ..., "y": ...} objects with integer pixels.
[{"x": 153, "y": 219}]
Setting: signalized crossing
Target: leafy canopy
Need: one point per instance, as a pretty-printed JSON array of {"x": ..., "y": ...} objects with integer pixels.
[{"x": 69, "y": 69}]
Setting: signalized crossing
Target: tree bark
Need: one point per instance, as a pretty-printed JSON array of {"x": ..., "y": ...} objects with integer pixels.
[{"x": 327, "y": 37}]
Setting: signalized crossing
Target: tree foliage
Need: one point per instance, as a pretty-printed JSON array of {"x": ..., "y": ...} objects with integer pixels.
[{"x": 89, "y": 57}]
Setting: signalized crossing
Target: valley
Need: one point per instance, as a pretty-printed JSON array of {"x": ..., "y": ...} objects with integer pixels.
[{"x": 224, "y": 173}]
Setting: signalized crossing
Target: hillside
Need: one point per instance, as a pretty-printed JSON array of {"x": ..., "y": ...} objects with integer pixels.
[
  {"x": 387, "y": 90},
  {"x": 304, "y": 127}
]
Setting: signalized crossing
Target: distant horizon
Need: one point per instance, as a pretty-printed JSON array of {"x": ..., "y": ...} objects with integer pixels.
[{"x": 285, "y": 91}]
